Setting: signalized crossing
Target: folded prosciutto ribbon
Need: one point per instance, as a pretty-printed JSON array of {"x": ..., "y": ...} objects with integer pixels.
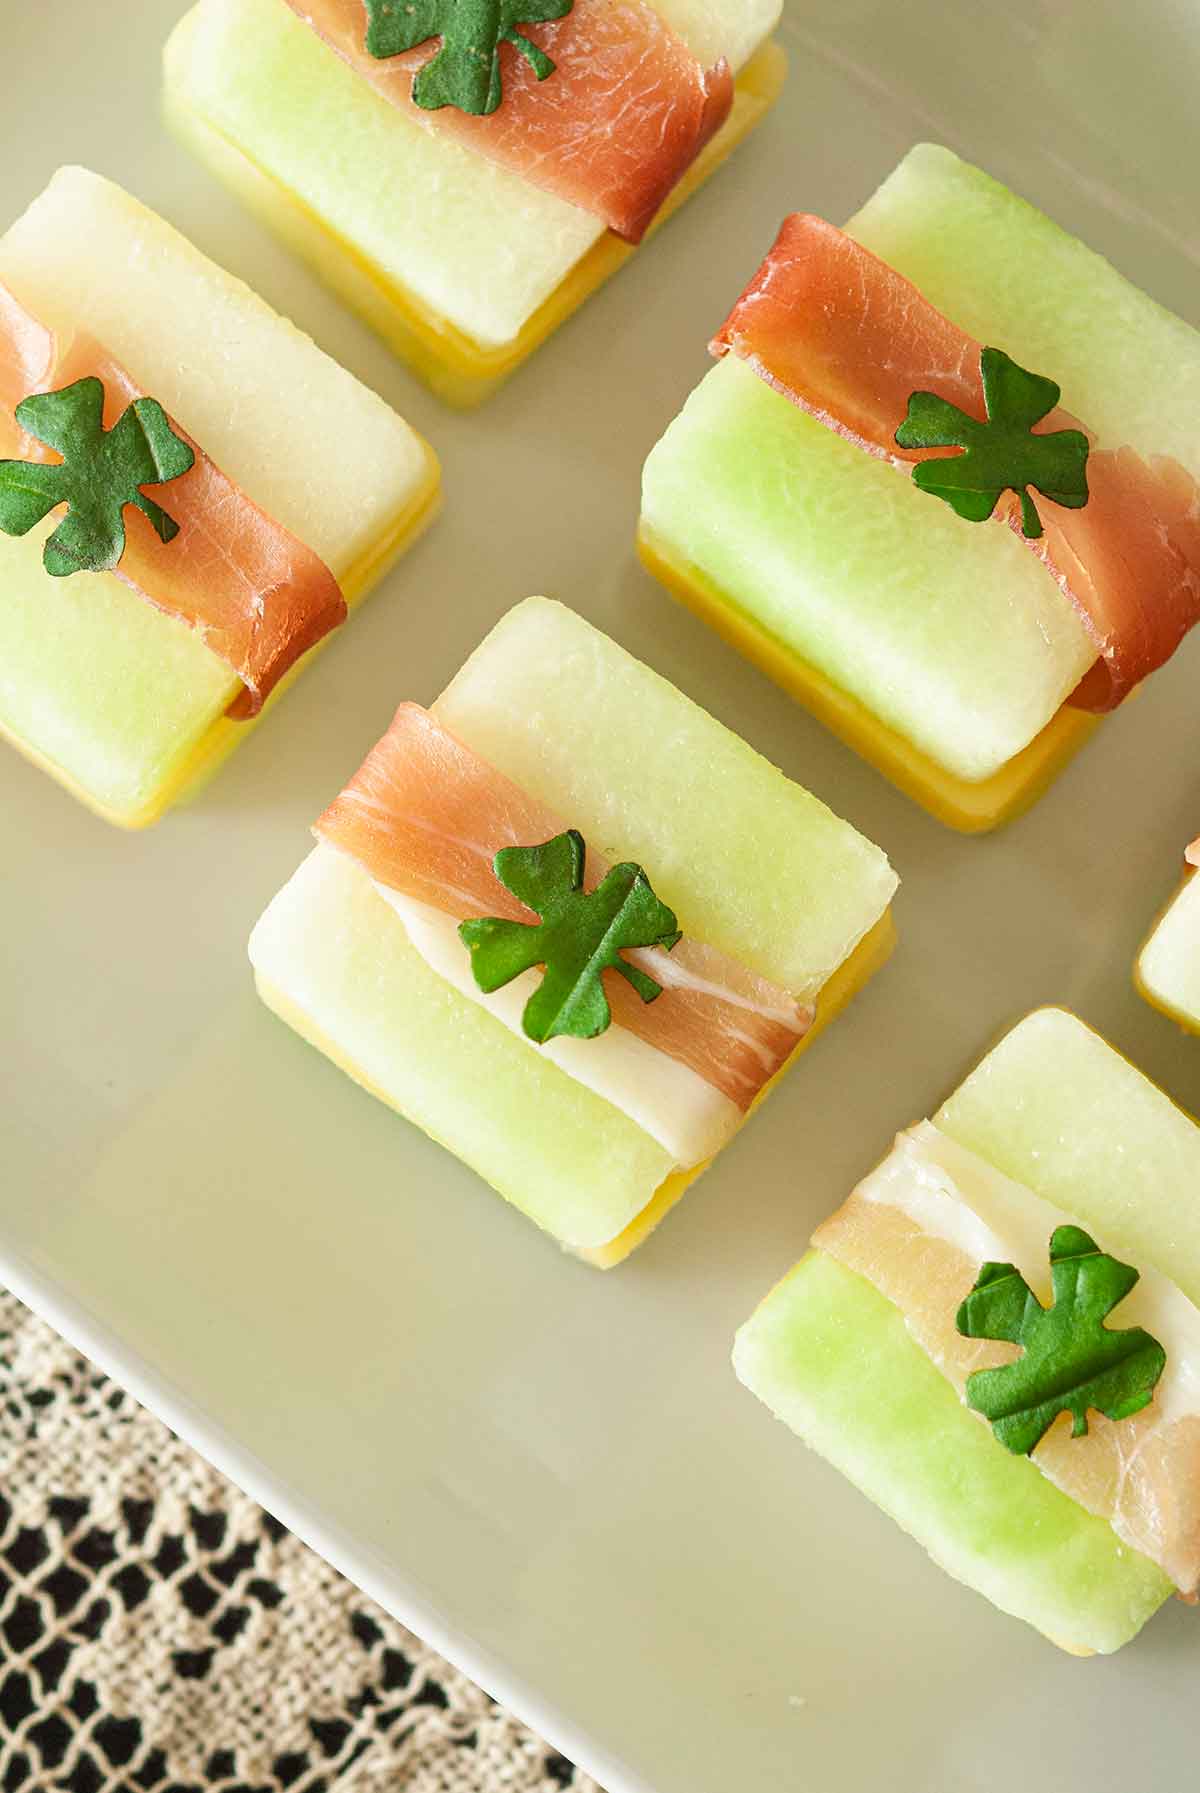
[
  {"x": 256, "y": 595},
  {"x": 425, "y": 816},
  {"x": 621, "y": 120},
  {"x": 849, "y": 340}
]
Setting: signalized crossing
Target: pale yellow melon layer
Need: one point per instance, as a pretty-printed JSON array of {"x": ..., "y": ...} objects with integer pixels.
[
  {"x": 1055, "y": 1107},
  {"x": 1168, "y": 967},
  {"x": 1012, "y": 277},
  {"x": 479, "y": 246},
  {"x": 116, "y": 700},
  {"x": 307, "y": 441},
  {"x": 750, "y": 861}
]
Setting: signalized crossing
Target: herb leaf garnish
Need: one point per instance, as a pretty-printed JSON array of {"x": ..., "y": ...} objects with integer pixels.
[
  {"x": 580, "y": 935},
  {"x": 100, "y": 473},
  {"x": 1071, "y": 1361},
  {"x": 1002, "y": 454},
  {"x": 466, "y": 70}
]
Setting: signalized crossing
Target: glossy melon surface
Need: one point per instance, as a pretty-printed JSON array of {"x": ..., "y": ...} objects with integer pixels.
[
  {"x": 832, "y": 1358},
  {"x": 493, "y": 248},
  {"x": 950, "y": 632},
  {"x": 1054, "y": 1106},
  {"x": 1012, "y": 277},
  {"x": 330, "y": 947},
  {"x": 928, "y": 621},
  {"x": 110, "y": 693},
  {"x": 749, "y": 860},
  {"x": 1168, "y": 968}
]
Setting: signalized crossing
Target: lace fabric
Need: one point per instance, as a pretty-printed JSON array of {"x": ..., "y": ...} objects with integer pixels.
[{"x": 160, "y": 1633}]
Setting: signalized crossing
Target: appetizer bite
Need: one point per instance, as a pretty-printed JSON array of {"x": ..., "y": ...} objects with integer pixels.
[
  {"x": 572, "y": 927},
  {"x": 465, "y": 174},
  {"x": 996, "y": 1337},
  {"x": 1168, "y": 967},
  {"x": 176, "y": 533},
  {"x": 851, "y": 496}
]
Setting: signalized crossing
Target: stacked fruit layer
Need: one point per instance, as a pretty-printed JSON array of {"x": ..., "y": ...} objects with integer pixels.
[{"x": 750, "y": 863}]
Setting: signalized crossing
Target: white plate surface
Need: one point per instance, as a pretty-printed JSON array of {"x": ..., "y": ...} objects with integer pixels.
[{"x": 549, "y": 1473}]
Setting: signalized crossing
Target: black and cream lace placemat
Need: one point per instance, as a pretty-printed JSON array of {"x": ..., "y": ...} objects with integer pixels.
[{"x": 159, "y": 1633}]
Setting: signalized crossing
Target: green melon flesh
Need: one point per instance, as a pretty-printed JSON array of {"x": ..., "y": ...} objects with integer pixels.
[
  {"x": 929, "y": 621},
  {"x": 1056, "y": 1108},
  {"x": 1010, "y": 276},
  {"x": 833, "y": 1359},
  {"x": 563, "y": 1156},
  {"x": 750, "y": 861},
  {"x": 950, "y": 633},
  {"x": 1169, "y": 966},
  {"x": 107, "y": 689},
  {"x": 492, "y": 248},
  {"x": 91, "y": 677}
]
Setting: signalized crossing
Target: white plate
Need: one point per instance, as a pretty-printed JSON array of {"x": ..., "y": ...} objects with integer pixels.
[{"x": 552, "y": 1474}]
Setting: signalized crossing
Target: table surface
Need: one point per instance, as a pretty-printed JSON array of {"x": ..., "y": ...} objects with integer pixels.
[{"x": 550, "y": 1474}]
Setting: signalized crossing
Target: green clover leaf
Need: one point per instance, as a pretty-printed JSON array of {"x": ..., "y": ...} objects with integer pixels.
[
  {"x": 1002, "y": 454},
  {"x": 580, "y": 935},
  {"x": 100, "y": 473}
]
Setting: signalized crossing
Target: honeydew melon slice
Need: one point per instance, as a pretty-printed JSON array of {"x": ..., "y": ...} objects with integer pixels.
[
  {"x": 953, "y": 635},
  {"x": 952, "y": 647},
  {"x": 645, "y": 774},
  {"x": 1012, "y": 277},
  {"x": 256, "y": 93},
  {"x": 1168, "y": 967},
  {"x": 117, "y": 700},
  {"x": 750, "y": 861},
  {"x": 1053, "y": 1106},
  {"x": 334, "y": 958},
  {"x": 832, "y": 1358}
]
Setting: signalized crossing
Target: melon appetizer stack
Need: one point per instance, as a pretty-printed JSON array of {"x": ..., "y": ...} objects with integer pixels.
[
  {"x": 572, "y": 927},
  {"x": 1168, "y": 967},
  {"x": 175, "y": 535},
  {"x": 997, "y": 1339},
  {"x": 464, "y": 173},
  {"x": 852, "y": 494}
]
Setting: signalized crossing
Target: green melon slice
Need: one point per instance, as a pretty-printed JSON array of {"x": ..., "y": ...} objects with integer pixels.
[
  {"x": 493, "y": 248},
  {"x": 331, "y": 947},
  {"x": 950, "y": 633},
  {"x": 1011, "y": 276},
  {"x": 929, "y": 621},
  {"x": 749, "y": 860},
  {"x": 1168, "y": 969},
  {"x": 1055, "y": 1107},
  {"x": 832, "y": 1358},
  {"x": 107, "y": 691}
]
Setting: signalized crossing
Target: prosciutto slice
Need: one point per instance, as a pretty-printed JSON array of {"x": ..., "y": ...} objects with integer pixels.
[
  {"x": 26, "y": 359},
  {"x": 425, "y": 816},
  {"x": 848, "y": 339},
  {"x": 257, "y": 596},
  {"x": 920, "y": 1228},
  {"x": 613, "y": 129}
]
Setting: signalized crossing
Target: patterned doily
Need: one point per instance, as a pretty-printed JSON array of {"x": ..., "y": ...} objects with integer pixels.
[{"x": 159, "y": 1633}]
